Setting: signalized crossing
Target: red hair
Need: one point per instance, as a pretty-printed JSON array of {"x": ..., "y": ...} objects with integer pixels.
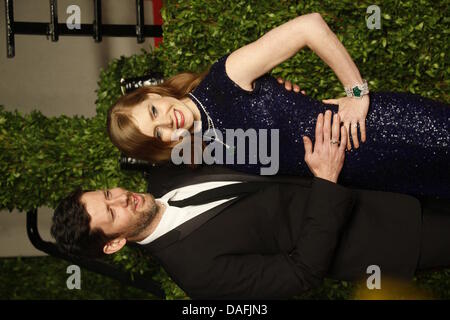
[{"x": 125, "y": 134}]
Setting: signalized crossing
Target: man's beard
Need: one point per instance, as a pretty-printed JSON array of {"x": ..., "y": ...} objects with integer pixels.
[{"x": 144, "y": 220}]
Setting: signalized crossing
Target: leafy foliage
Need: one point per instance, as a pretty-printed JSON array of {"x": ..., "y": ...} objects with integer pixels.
[
  {"x": 45, "y": 278},
  {"x": 45, "y": 158},
  {"x": 409, "y": 52}
]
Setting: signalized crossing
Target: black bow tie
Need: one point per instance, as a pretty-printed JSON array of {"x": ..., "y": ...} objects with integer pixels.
[{"x": 224, "y": 192}]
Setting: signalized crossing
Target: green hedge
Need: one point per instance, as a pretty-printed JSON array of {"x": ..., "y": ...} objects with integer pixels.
[
  {"x": 409, "y": 52},
  {"x": 42, "y": 158}
]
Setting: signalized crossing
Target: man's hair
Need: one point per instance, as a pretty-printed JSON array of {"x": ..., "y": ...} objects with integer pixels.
[{"x": 71, "y": 228}]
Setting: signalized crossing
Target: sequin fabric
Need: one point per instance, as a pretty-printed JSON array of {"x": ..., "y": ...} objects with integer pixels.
[{"x": 408, "y": 138}]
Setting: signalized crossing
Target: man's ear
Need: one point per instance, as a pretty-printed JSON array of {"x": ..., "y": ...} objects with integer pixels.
[{"x": 114, "y": 245}]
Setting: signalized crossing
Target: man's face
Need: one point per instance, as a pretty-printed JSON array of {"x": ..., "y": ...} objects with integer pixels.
[{"x": 118, "y": 211}]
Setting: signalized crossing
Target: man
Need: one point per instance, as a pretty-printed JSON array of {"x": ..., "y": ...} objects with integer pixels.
[{"x": 222, "y": 235}]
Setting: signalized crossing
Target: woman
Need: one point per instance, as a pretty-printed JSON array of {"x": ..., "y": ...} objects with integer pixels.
[{"x": 406, "y": 150}]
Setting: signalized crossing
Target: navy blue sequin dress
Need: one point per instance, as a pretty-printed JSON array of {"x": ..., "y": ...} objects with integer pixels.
[{"x": 407, "y": 147}]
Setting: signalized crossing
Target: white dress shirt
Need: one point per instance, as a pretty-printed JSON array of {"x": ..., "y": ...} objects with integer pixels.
[{"x": 173, "y": 216}]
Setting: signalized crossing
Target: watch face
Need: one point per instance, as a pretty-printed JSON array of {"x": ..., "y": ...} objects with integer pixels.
[{"x": 356, "y": 92}]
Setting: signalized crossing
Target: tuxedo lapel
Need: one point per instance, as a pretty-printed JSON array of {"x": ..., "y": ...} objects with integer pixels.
[
  {"x": 192, "y": 224},
  {"x": 164, "y": 180},
  {"x": 187, "y": 227}
]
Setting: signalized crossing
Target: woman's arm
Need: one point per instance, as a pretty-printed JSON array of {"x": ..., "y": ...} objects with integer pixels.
[{"x": 250, "y": 62}]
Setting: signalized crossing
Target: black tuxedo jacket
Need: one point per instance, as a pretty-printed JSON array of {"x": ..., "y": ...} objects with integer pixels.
[{"x": 286, "y": 238}]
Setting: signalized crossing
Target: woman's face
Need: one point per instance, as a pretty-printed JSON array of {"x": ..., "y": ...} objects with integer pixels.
[{"x": 159, "y": 116}]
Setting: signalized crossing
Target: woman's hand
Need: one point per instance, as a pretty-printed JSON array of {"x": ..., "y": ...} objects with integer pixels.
[
  {"x": 352, "y": 111},
  {"x": 288, "y": 85}
]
